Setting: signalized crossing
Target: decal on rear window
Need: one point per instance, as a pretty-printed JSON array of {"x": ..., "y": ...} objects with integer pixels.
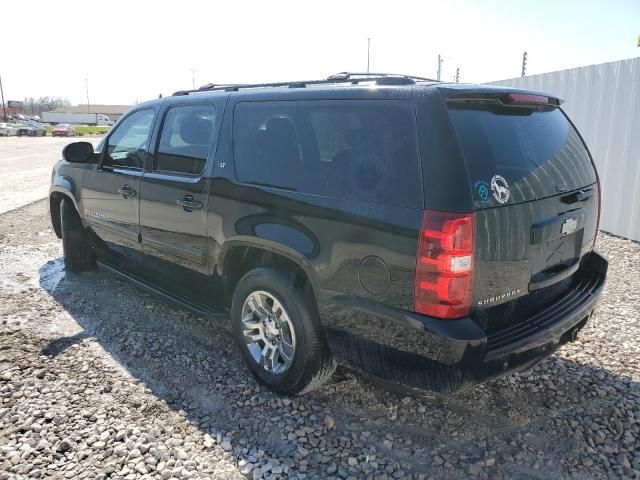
[
  {"x": 483, "y": 190},
  {"x": 500, "y": 189}
]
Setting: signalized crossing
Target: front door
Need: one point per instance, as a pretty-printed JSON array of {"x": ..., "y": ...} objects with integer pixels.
[
  {"x": 110, "y": 190},
  {"x": 173, "y": 201}
]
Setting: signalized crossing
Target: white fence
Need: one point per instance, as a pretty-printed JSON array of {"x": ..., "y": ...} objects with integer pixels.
[{"x": 604, "y": 103}]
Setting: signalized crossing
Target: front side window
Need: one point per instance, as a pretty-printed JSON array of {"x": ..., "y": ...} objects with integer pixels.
[
  {"x": 355, "y": 150},
  {"x": 185, "y": 139},
  {"x": 127, "y": 146}
]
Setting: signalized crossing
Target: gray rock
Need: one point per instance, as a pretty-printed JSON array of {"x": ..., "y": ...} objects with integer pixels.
[
  {"x": 141, "y": 468},
  {"x": 329, "y": 422},
  {"x": 65, "y": 445},
  {"x": 623, "y": 460},
  {"x": 474, "y": 469}
]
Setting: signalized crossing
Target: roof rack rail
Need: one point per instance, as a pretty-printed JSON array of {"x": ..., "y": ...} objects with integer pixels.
[
  {"x": 342, "y": 77},
  {"x": 353, "y": 75}
]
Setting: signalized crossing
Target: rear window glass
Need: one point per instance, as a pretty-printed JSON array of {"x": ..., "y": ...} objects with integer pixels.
[
  {"x": 536, "y": 154},
  {"x": 356, "y": 150}
]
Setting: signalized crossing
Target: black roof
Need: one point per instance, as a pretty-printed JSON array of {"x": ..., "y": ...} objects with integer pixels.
[{"x": 342, "y": 86}]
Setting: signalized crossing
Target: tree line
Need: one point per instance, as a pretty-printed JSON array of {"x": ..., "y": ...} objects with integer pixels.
[{"x": 35, "y": 106}]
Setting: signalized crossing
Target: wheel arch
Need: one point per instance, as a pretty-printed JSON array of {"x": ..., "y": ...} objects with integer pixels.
[
  {"x": 60, "y": 189},
  {"x": 240, "y": 256}
]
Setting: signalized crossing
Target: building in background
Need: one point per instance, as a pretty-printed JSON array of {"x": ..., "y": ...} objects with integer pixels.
[
  {"x": 10, "y": 111},
  {"x": 114, "y": 112},
  {"x": 604, "y": 103}
]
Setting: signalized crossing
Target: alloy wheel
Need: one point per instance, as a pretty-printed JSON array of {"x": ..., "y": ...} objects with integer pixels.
[{"x": 268, "y": 332}]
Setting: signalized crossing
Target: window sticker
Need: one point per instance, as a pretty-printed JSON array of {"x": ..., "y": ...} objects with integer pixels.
[
  {"x": 483, "y": 190},
  {"x": 500, "y": 189}
]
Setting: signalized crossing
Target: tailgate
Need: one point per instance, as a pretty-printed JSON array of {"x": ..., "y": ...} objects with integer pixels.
[{"x": 535, "y": 194}]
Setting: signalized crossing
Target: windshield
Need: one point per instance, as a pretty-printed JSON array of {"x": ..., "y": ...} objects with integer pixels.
[{"x": 533, "y": 154}]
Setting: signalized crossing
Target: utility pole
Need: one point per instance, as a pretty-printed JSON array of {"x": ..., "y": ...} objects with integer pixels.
[
  {"x": 524, "y": 63},
  {"x": 4, "y": 109},
  {"x": 193, "y": 77},
  {"x": 458, "y": 75},
  {"x": 368, "y": 52},
  {"x": 440, "y": 60},
  {"x": 86, "y": 84}
]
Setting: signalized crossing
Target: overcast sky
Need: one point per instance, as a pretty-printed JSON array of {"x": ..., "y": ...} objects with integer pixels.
[{"x": 133, "y": 50}]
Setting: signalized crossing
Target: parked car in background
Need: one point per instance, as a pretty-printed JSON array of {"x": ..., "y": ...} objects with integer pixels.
[
  {"x": 32, "y": 129},
  {"x": 63, "y": 130},
  {"x": 8, "y": 129},
  {"x": 433, "y": 234}
]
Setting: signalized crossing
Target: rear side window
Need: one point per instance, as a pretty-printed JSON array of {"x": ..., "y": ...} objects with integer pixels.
[
  {"x": 537, "y": 153},
  {"x": 356, "y": 150},
  {"x": 184, "y": 141}
]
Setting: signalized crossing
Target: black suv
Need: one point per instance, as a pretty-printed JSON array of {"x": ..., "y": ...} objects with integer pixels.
[{"x": 426, "y": 233}]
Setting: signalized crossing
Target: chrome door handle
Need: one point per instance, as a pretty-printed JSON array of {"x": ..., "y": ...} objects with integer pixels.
[
  {"x": 127, "y": 191},
  {"x": 189, "y": 204}
]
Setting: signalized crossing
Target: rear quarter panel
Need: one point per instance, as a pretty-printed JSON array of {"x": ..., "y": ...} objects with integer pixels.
[{"x": 348, "y": 248}]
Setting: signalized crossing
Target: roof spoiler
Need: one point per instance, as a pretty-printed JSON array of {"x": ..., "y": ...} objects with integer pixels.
[{"x": 506, "y": 99}]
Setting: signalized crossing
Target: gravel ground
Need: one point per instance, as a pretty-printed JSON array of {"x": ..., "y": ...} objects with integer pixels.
[
  {"x": 25, "y": 167},
  {"x": 99, "y": 379}
]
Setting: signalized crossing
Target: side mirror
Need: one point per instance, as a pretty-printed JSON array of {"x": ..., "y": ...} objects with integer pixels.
[{"x": 78, "y": 152}]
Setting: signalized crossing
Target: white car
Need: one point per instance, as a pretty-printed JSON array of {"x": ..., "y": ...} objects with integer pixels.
[{"x": 7, "y": 129}]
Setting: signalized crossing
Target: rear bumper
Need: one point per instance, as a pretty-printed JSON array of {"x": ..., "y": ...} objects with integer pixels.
[{"x": 450, "y": 355}]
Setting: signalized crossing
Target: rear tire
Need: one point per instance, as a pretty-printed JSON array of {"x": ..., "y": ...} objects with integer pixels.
[
  {"x": 311, "y": 363},
  {"x": 78, "y": 256}
]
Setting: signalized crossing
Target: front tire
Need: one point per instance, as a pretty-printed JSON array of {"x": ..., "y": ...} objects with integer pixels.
[
  {"x": 278, "y": 331},
  {"x": 78, "y": 256}
]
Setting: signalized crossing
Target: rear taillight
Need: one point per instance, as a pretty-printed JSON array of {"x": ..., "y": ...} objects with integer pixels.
[{"x": 444, "y": 267}]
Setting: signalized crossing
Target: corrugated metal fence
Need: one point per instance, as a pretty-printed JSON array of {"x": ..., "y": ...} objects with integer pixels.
[{"x": 604, "y": 103}]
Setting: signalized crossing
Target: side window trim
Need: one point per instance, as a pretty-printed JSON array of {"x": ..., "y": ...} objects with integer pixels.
[
  {"x": 153, "y": 171},
  {"x": 105, "y": 144}
]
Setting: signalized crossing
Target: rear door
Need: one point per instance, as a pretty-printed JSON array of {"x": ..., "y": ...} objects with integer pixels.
[
  {"x": 173, "y": 198},
  {"x": 535, "y": 193}
]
